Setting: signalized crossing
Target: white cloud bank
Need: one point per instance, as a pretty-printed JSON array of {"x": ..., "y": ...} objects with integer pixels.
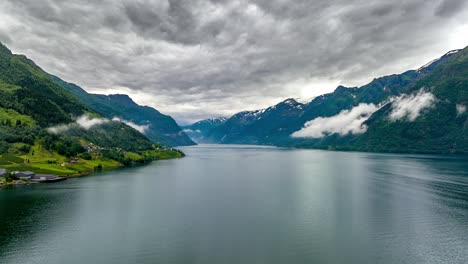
[
  {"x": 192, "y": 131},
  {"x": 141, "y": 128},
  {"x": 87, "y": 122},
  {"x": 351, "y": 121},
  {"x": 83, "y": 121},
  {"x": 347, "y": 121},
  {"x": 411, "y": 106}
]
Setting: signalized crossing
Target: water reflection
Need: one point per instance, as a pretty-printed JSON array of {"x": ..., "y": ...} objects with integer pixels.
[
  {"x": 28, "y": 215},
  {"x": 242, "y": 204}
]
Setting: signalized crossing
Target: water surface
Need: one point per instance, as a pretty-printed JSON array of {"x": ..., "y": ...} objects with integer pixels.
[{"x": 247, "y": 204}]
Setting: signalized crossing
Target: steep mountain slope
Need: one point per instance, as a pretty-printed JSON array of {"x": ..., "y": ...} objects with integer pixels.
[
  {"x": 43, "y": 125},
  {"x": 443, "y": 125},
  {"x": 27, "y": 89},
  {"x": 429, "y": 118},
  {"x": 159, "y": 128},
  {"x": 444, "y": 77}
]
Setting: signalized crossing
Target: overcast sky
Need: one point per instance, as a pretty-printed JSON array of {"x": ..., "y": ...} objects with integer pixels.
[{"x": 194, "y": 59}]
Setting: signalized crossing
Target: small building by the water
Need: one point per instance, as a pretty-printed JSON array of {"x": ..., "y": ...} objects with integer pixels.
[
  {"x": 46, "y": 178},
  {"x": 26, "y": 175},
  {"x": 43, "y": 177}
]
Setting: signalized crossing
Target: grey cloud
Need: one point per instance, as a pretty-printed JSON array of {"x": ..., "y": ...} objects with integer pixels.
[
  {"x": 450, "y": 7},
  {"x": 205, "y": 58}
]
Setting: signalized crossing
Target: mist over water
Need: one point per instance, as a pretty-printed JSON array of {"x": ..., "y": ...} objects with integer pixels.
[{"x": 247, "y": 204}]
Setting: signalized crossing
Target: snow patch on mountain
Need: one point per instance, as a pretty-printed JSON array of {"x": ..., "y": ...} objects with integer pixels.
[{"x": 436, "y": 60}]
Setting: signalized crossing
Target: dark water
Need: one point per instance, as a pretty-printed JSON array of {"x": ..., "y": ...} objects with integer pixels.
[{"x": 237, "y": 204}]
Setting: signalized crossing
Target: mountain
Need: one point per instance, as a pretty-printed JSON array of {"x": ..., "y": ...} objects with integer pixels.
[
  {"x": 159, "y": 128},
  {"x": 274, "y": 125},
  {"x": 197, "y": 131},
  {"x": 444, "y": 79},
  {"x": 441, "y": 127},
  {"x": 256, "y": 127},
  {"x": 27, "y": 89},
  {"x": 428, "y": 116},
  {"x": 43, "y": 126}
]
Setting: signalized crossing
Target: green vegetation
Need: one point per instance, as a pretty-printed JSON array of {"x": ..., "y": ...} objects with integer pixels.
[
  {"x": 41, "y": 160},
  {"x": 34, "y": 94},
  {"x": 440, "y": 128},
  {"x": 160, "y": 128},
  {"x": 275, "y": 125},
  {"x": 31, "y": 102}
]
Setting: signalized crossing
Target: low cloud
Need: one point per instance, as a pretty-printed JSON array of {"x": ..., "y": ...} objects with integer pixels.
[
  {"x": 87, "y": 122},
  {"x": 58, "y": 129},
  {"x": 141, "y": 128},
  {"x": 461, "y": 109},
  {"x": 192, "y": 131},
  {"x": 411, "y": 106},
  {"x": 346, "y": 122},
  {"x": 83, "y": 121}
]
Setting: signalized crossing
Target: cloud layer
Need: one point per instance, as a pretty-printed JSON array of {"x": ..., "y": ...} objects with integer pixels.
[
  {"x": 199, "y": 58},
  {"x": 411, "y": 106},
  {"x": 346, "y": 122},
  {"x": 83, "y": 121},
  {"x": 461, "y": 109},
  {"x": 141, "y": 128}
]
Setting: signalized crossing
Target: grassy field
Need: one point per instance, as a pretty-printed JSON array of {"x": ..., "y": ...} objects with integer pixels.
[
  {"x": 13, "y": 116},
  {"x": 40, "y": 160}
]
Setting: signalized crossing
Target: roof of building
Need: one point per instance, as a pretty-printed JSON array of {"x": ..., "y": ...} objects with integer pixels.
[
  {"x": 26, "y": 173},
  {"x": 48, "y": 176}
]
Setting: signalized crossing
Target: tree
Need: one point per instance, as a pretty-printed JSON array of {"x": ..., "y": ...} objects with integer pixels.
[{"x": 9, "y": 177}]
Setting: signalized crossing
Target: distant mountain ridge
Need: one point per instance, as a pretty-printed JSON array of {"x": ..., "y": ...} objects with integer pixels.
[
  {"x": 197, "y": 130},
  {"x": 158, "y": 127},
  {"x": 276, "y": 124}
]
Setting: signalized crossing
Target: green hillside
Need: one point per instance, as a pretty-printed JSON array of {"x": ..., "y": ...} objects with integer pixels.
[
  {"x": 439, "y": 128},
  {"x": 160, "y": 128},
  {"x": 40, "y": 127}
]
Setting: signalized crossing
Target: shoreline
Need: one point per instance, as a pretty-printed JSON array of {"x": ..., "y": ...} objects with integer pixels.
[{"x": 16, "y": 183}]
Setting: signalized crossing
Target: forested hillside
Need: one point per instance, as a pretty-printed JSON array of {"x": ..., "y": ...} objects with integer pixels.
[
  {"x": 159, "y": 128},
  {"x": 420, "y": 111},
  {"x": 43, "y": 126}
]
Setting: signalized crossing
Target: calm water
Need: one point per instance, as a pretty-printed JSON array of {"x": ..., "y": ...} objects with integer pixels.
[{"x": 238, "y": 204}]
